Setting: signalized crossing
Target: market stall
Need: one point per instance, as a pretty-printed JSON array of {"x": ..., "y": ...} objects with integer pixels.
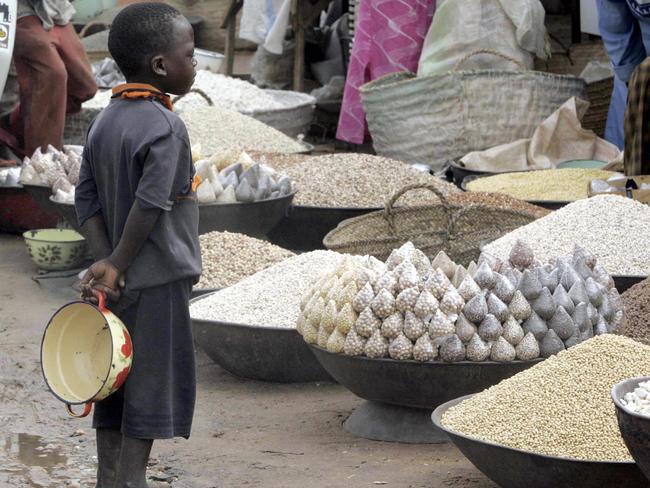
[{"x": 512, "y": 304}]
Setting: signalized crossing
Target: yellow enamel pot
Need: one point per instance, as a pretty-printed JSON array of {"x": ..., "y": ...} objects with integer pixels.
[{"x": 86, "y": 354}]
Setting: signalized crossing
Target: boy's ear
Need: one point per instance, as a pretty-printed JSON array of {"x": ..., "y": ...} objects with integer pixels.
[{"x": 158, "y": 65}]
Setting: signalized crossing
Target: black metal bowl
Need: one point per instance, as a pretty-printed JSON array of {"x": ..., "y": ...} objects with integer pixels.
[
  {"x": 255, "y": 219},
  {"x": 304, "y": 227},
  {"x": 20, "y": 212},
  {"x": 635, "y": 428},
  {"x": 548, "y": 204},
  {"x": 41, "y": 194},
  {"x": 411, "y": 383},
  {"x": 517, "y": 468},
  {"x": 460, "y": 173},
  {"x": 258, "y": 353},
  {"x": 197, "y": 292},
  {"x": 622, "y": 283},
  {"x": 68, "y": 213}
]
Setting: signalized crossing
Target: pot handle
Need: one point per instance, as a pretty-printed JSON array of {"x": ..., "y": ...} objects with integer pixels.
[
  {"x": 101, "y": 300},
  {"x": 88, "y": 406}
]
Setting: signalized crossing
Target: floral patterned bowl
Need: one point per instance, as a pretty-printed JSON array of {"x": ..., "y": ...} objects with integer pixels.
[
  {"x": 86, "y": 354},
  {"x": 55, "y": 249}
]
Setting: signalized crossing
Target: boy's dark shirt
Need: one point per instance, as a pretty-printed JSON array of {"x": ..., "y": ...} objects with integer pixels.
[{"x": 139, "y": 149}]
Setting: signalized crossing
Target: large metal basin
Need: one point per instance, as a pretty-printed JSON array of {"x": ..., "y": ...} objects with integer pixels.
[
  {"x": 254, "y": 219},
  {"x": 516, "y": 468},
  {"x": 411, "y": 383},
  {"x": 20, "y": 212},
  {"x": 304, "y": 228},
  {"x": 258, "y": 353}
]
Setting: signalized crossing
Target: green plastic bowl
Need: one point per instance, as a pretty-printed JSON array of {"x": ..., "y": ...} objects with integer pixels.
[
  {"x": 55, "y": 249},
  {"x": 583, "y": 163}
]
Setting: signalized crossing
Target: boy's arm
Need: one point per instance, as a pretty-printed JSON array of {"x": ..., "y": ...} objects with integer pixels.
[
  {"x": 89, "y": 212},
  {"x": 107, "y": 274},
  {"x": 139, "y": 224},
  {"x": 94, "y": 230},
  {"x": 93, "y": 227}
]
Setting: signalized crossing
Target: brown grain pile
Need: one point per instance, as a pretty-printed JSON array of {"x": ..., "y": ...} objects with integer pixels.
[
  {"x": 636, "y": 303},
  {"x": 229, "y": 257},
  {"x": 497, "y": 200},
  {"x": 360, "y": 181}
]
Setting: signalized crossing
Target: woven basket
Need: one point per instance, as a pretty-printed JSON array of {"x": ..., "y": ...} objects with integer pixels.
[
  {"x": 571, "y": 61},
  {"x": 434, "y": 119},
  {"x": 459, "y": 230}
]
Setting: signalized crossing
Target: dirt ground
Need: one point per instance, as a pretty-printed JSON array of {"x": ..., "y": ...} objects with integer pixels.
[{"x": 246, "y": 433}]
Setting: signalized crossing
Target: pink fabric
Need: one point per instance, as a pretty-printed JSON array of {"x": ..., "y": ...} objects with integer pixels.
[{"x": 388, "y": 38}]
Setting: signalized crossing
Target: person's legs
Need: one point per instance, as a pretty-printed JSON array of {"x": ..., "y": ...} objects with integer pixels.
[
  {"x": 81, "y": 82},
  {"x": 107, "y": 422},
  {"x": 109, "y": 446},
  {"x": 160, "y": 390},
  {"x": 616, "y": 114},
  {"x": 132, "y": 466},
  {"x": 42, "y": 79},
  {"x": 159, "y": 393}
]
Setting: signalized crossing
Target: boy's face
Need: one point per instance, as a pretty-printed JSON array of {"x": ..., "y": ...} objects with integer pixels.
[{"x": 179, "y": 60}]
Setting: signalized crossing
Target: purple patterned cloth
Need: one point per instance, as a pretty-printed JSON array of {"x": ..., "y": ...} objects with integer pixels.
[{"x": 388, "y": 38}]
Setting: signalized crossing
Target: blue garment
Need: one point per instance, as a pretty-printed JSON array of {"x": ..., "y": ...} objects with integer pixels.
[
  {"x": 640, "y": 7},
  {"x": 625, "y": 29},
  {"x": 614, "y": 132}
]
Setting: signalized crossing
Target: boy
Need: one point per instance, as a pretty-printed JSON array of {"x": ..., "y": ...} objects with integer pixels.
[{"x": 136, "y": 204}]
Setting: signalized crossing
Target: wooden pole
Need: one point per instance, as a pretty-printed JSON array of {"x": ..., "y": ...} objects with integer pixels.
[
  {"x": 230, "y": 24},
  {"x": 299, "y": 53},
  {"x": 230, "y": 47}
]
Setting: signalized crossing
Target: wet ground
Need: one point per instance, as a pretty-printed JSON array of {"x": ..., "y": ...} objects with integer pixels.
[{"x": 246, "y": 433}]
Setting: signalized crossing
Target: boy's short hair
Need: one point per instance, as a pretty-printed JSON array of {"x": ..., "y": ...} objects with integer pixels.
[{"x": 140, "y": 31}]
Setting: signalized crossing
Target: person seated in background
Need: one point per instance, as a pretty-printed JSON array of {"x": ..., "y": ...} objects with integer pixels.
[{"x": 53, "y": 71}]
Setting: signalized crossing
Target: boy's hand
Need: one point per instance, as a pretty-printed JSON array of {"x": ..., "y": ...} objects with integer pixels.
[{"x": 105, "y": 277}]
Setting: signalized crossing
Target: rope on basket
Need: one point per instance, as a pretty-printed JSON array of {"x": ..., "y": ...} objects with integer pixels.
[{"x": 389, "y": 210}]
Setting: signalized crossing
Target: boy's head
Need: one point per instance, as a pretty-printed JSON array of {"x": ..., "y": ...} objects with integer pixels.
[{"x": 153, "y": 43}]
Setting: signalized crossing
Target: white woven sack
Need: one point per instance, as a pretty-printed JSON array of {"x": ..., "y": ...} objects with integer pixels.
[{"x": 459, "y": 27}]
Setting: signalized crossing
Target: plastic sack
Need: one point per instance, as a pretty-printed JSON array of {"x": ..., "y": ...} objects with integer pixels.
[{"x": 514, "y": 28}]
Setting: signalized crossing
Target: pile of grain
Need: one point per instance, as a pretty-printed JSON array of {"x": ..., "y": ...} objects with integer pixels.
[
  {"x": 216, "y": 128},
  {"x": 636, "y": 302},
  {"x": 269, "y": 298},
  {"x": 560, "y": 407},
  {"x": 496, "y": 200},
  {"x": 563, "y": 185},
  {"x": 229, "y": 258},
  {"x": 359, "y": 180},
  {"x": 227, "y": 92},
  {"x": 615, "y": 229}
]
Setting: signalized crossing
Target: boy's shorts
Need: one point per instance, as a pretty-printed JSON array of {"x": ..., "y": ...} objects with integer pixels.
[{"x": 157, "y": 399}]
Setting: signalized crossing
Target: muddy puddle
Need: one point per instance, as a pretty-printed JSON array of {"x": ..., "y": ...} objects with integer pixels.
[{"x": 25, "y": 452}]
